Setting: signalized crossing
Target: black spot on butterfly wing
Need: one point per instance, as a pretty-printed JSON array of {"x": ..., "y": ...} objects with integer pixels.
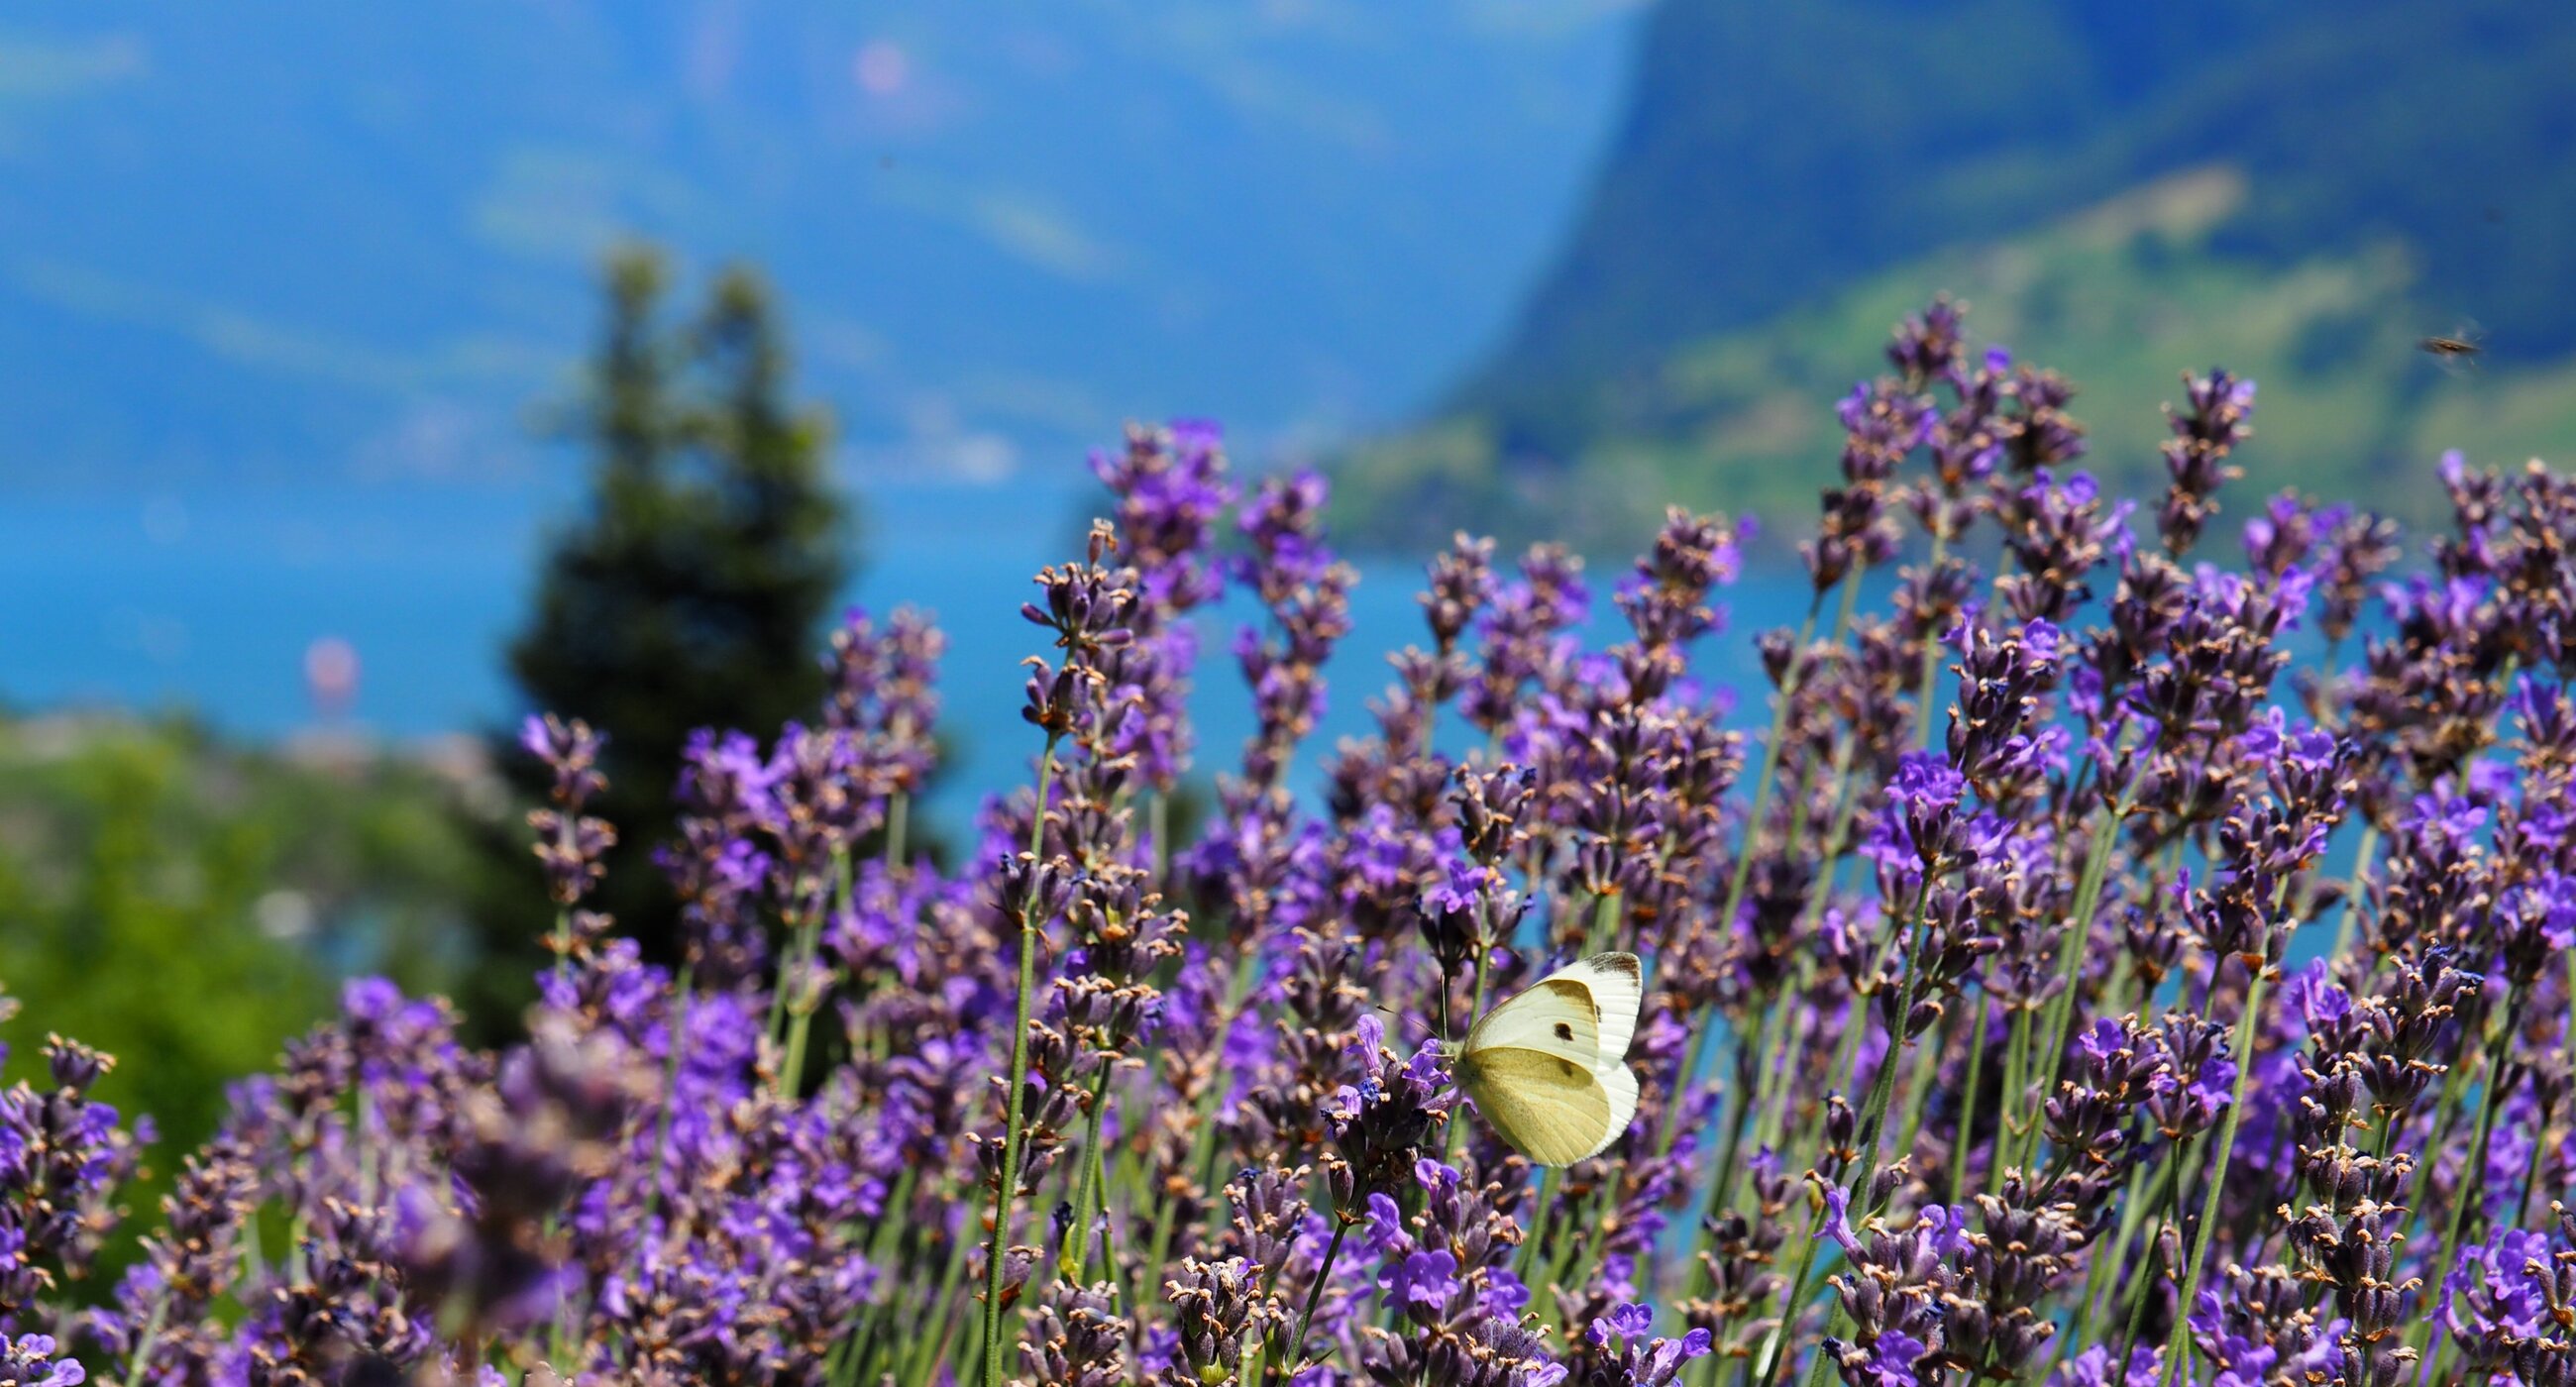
[
  {"x": 1566, "y": 1067},
  {"x": 1566, "y": 1032}
]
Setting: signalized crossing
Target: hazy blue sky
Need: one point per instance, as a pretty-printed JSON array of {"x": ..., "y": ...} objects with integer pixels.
[{"x": 309, "y": 241}]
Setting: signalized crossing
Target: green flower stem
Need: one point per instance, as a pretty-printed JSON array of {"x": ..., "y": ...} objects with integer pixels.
[
  {"x": 1296, "y": 1346},
  {"x": 1960, "y": 1148},
  {"x": 2134, "y": 1201},
  {"x": 1455, "y": 1139},
  {"x": 1560, "y": 1262},
  {"x": 1693, "y": 1061},
  {"x": 2136, "y": 1323},
  {"x": 149, "y": 1339},
  {"x": 1882, "y": 1091},
  {"x": 683, "y": 989},
  {"x": 2446, "y": 1109},
  {"x": 1721, "y": 1187},
  {"x": 1074, "y": 1263},
  {"x": 2500, "y": 1078},
  {"x": 1771, "y": 1119},
  {"x": 2531, "y": 1169},
  {"x": 1238, "y": 989},
  {"x": 1762, "y": 785},
  {"x": 1158, "y": 827},
  {"x": 800, "y": 1011},
  {"x": 1202, "y": 1158},
  {"x": 1918, "y": 1089},
  {"x": 1788, "y": 1319},
  {"x": 1776, "y": 1350},
  {"x": 1773, "y": 1094},
  {"x": 1005, "y": 1187},
  {"x": 1526, "y": 1263},
  {"x": 1801, "y": 1153},
  {"x": 2361, "y": 861},
  {"x": 931, "y": 1347},
  {"x": 776, "y": 1026},
  {"x": 1605, "y": 923},
  {"x": 2531, "y": 1180},
  {"x": 2070, "y": 968},
  {"x": 1931, "y": 652},
  {"x": 2016, "y": 1079},
  {"x": 791, "y": 1070},
  {"x": 2179, "y": 1344},
  {"x": 859, "y": 1348}
]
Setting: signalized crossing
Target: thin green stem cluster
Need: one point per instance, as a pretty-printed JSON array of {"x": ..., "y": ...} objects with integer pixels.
[{"x": 1006, "y": 1182}]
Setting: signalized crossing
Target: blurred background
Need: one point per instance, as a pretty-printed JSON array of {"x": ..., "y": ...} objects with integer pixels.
[{"x": 374, "y": 374}]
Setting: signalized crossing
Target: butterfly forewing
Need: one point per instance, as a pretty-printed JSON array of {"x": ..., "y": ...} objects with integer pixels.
[
  {"x": 1617, "y": 985},
  {"x": 1556, "y": 1016},
  {"x": 1550, "y": 1109}
]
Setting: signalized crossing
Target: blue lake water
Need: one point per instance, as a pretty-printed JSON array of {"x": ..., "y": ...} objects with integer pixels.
[{"x": 208, "y": 600}]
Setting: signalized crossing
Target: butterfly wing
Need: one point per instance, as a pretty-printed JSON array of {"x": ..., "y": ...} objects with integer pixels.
[
  {"x": 1619, "y": 1082},
  {"x": 1548, "y": 1068},
  {"x": 1617, "y": 983},
  {"x": 1554, "y": 1016},
  {"x": 1586, "y": 1010},
  {"x": 1550, "y": 1108}
]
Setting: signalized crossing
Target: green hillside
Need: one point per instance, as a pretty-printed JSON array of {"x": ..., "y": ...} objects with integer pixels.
[
  {"x": 2119, "y": 297},
  {"x": 2296, "y": 191}
]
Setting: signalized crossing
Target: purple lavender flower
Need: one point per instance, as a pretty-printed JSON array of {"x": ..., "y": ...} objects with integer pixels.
[
  {"x": 2205, "y": 433},
  {"x": 1623, "y": 1354},
  {"x": 2132, "y": 1102},
  {"x": 62, "y": 1155},
  {"x": 31, "y": 1360},
  {"x": 570, "y": 843}
]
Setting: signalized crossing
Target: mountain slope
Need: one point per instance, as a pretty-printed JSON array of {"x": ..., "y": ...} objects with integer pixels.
[
  {"x": 1779, "y": 166},
  {"x": 2118, "y": 296}
]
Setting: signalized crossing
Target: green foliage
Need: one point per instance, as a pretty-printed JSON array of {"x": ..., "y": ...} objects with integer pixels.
[
  {"x": 182, "y": 903},
  {"x": 693, "y": 591}
]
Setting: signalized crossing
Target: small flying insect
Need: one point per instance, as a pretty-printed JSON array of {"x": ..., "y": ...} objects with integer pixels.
[{"x": 2460, "y": 347}]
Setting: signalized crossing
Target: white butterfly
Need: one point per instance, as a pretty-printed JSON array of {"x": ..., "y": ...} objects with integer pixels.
[{"x": 1549, "y": 1067}]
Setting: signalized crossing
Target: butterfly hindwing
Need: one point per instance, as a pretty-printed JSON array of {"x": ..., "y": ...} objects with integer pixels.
[
  {"x": 1620, "y": 1083},
  {"x": 1550, "y": 1108}
]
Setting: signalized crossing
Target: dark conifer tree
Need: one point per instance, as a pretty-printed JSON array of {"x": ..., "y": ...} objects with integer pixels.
[{"x": 692, "y": 590}]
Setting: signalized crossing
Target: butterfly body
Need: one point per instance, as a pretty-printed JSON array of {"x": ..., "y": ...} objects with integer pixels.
[{"x": 1549, "y": 1069}]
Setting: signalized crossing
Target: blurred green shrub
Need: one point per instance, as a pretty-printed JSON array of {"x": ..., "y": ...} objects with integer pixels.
[{"x": 187, "y": 904}]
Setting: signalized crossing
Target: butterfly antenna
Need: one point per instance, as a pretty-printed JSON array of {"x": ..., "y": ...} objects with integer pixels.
[{"x": 1400, "y": 1019}]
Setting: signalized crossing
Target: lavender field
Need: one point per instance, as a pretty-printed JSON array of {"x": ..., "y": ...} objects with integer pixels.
[{"x": 2140, "y": 950}]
